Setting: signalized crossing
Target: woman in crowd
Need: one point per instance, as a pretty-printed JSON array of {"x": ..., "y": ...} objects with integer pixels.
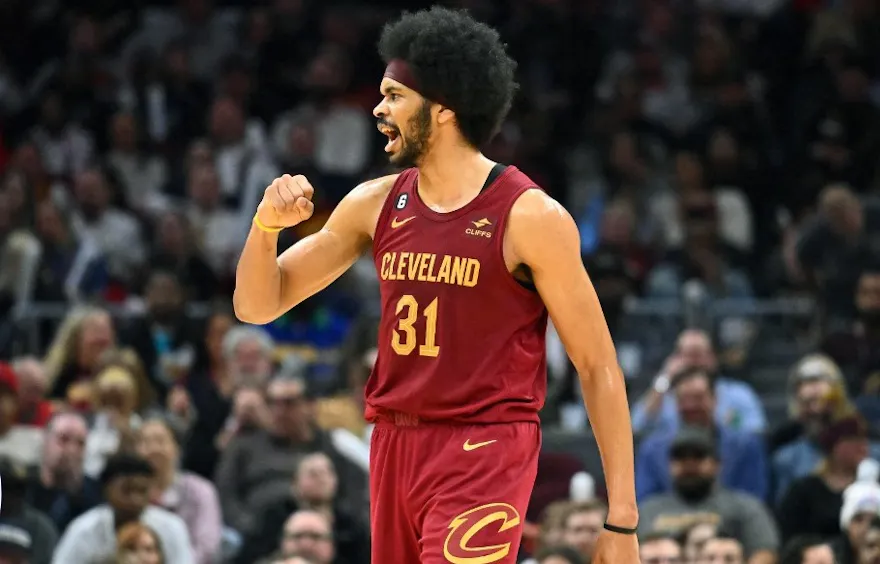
[
  {"x": 190, "y": 496},
  {"x": 75, "y": 353}
]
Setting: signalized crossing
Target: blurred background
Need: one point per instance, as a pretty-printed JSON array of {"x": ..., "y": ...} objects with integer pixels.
[{"x": 721, "y": 158}]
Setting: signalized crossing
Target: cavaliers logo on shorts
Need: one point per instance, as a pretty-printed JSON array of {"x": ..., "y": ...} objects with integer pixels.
[{"x": 476, "y": 536}]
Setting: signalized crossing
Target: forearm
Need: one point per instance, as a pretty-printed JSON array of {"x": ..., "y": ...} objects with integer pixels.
[
  {"x": 605, "y": 397},
  {"x": 257, "y": 297}
]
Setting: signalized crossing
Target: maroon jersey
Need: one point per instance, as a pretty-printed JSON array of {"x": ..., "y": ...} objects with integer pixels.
[{"x": 460, "y": 339}]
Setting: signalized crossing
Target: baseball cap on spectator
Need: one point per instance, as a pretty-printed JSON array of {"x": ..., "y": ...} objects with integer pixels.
[
  {"x": 8, "y": 379},
  {"x": 15, "y": 541},
  {"x": 848, "y": 427},
  {"x": 860, "y": 497},
  {"x": 692, "y": 441}
]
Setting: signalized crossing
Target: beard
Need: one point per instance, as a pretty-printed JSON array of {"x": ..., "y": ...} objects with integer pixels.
[
  {"x": 414, "y": 145},
  {"x": 67, "y": 476},
  {"x": 694, "y": 488}
]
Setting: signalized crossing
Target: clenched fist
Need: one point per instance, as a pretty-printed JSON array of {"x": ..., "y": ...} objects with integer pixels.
[{"x": 286, "y": 202}]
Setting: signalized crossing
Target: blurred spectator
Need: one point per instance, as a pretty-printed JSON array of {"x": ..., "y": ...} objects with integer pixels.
[
  {"x": 807, "y": 550},
  {"x": 743, "y": 461},
  {"x": 64, "y": 146},
  {"x": 17, "y": 441},
  {"x": 728, "y": 550},
  {"x": 16, "y": 544},
  {"x": 697, "y": 496},
  {"x": 818, "y": 392},
  {"x": 255, "y": 469},
  {"x": 219, "y": 233},
  {"x": 33, "y": 408},
  {"x": 812, "y": 504},
  {"x": 869, "y": 551},
  {"x": 71, "y": 267},
  {"x": 176, "y": 251},
  {"x": 92, "y": 536},
  {"x": 115, "y": 231},
  {"x": 581, "y": 525},
  {"x": 41, "y": 532},
  {"x": 75, "y": 352},
  {"x": 834, "y": 247},
  {"x": 314, "y": 487},
  {"x": 116, "y": 399},
  {"x": 737, "y": 406},
  {"x": 138, "y": 543},
  {"x": 58, "y": 486},
  {"x": 165, "y": 336},
  {"x": 248, "y": 351},
  {"x": 206, "y": 401},
  {"x": 703, "y": 256},
  {"x": 189, "y": 496},
  {"x": 141, "y": 176},
  {"x": 733, "y": 213},
  {"x": 861, "y": 505},
  {"x": 659, "y": 549},
  {"x": 307, "y": 534},
  {"x": 854, "y": 347}
]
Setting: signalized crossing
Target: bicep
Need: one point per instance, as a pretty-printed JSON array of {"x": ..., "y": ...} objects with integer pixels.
[{"x": 314, "y": 262}]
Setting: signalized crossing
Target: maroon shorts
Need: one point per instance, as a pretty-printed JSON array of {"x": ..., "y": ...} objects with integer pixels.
[{"x": 455, "y": 494}]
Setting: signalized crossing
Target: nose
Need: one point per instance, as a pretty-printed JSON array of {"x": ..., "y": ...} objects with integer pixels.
[{"x": 381, "y": 109}]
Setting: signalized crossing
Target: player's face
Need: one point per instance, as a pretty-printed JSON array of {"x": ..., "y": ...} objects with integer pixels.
[{"x": 404, "y": 117}]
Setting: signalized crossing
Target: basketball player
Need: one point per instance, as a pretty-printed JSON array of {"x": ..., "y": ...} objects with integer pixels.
[{"x": 471, "y": 255}]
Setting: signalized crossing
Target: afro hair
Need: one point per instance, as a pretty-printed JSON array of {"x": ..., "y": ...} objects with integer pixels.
[{"x": 462, "y": 61}]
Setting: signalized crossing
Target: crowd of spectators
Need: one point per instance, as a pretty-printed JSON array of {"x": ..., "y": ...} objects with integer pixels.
[{"x": 728, "y": 149}]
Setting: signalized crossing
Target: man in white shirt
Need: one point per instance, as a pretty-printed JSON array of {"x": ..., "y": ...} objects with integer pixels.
[{"x": 91, "y": 538}]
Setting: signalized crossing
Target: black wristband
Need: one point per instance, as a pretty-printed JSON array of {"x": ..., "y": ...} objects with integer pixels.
[{"x": 620, "y": 530}]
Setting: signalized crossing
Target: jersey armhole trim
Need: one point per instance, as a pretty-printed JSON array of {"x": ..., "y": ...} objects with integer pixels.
[{"x": 512, "y": 281}]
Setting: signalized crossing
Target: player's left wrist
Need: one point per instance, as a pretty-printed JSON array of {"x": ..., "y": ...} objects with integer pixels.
[{"x": 623, "y": 517}]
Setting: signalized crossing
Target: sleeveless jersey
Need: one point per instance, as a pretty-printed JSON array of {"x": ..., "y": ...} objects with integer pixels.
[{"x": 460, "y": 340}]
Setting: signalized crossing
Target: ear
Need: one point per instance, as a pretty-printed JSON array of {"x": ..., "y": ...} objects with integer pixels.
[{"x": 445, "y": 115}]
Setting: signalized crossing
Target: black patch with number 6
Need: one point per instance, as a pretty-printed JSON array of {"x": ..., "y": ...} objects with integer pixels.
[{"x": 402, "y": 201}]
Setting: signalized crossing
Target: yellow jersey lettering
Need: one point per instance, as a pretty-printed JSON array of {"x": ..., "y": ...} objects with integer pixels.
[
  {"x": 471, "y": 273},
  {"x": 400, "y": 271},
  {"x": 428, "y": 267},
  {"x": 385, "y": 269},
  {"x": 443, "y": 273},
  {"x": 430, "y": 276},
  {"x": 414, "y": 265},
  {"x": 424, "y": 268}
]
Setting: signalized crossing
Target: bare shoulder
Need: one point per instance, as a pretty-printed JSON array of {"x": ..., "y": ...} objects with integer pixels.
[
  {"x": 539, "y": 226},
  {"x": 361, "y": 207},
  {"x": 374, "y": 190}
]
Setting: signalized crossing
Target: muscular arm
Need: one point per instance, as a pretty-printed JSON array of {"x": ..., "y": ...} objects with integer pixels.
[
  {"x": 544, "y": 237},
  {"x": 268, "y": 285}
]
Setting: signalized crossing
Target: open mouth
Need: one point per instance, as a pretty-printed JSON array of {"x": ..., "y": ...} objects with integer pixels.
[{"x": 393, "y": 136}]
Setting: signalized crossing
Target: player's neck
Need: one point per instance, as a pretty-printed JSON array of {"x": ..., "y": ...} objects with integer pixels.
[{"x": 451, "y": 176}]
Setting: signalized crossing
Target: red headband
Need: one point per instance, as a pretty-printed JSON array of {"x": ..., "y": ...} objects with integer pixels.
[{"x": 401, "y": 71}]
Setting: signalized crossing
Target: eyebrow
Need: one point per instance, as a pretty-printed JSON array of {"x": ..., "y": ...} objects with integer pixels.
[{"x": 389, "y": 90}]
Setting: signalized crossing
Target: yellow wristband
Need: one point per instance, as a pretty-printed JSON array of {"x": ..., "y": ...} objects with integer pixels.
[{"x": 265, "y": 229}]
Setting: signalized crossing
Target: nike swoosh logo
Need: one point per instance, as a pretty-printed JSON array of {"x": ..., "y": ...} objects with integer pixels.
[
  {"x": 395, "y": 223},
  {"x": 469, "y": 447}
]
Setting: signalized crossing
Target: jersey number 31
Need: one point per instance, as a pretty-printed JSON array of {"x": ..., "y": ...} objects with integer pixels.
[{"x": 403, "y": 339}]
